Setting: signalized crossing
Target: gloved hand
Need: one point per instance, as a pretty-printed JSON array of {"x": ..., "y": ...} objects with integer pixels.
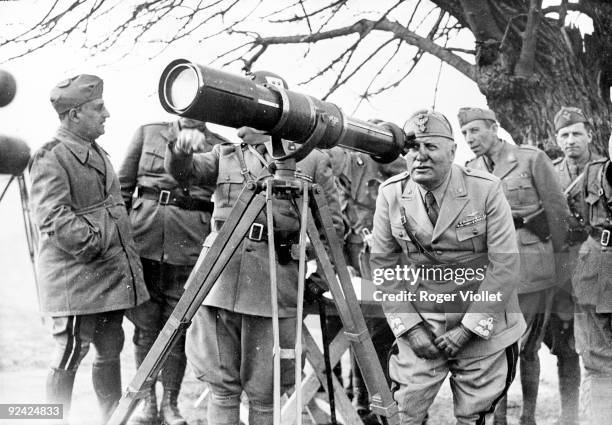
[
  {"x": 314, "y": 287},
  {"x": 452, "y": 341},
  {"x": 190, "y": 140},
  {"x": 420, "y": 341}
]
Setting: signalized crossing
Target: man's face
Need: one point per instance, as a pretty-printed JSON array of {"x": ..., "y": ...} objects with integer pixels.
[
  {"x": 90, "y": 118},
  {"x": 432, "y": 161},
  {"x": 479, "y": 136},
  {"x": 574, "y": 140}
]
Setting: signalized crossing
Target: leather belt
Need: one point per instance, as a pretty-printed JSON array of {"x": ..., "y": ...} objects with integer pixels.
[
  {"x": 256, "y": 233},
  {"x": 171, "y": 197},
  {"x": 603, "y": 234}
]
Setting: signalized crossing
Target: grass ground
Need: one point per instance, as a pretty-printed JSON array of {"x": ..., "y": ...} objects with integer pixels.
[{"x": 26, "y": 346}]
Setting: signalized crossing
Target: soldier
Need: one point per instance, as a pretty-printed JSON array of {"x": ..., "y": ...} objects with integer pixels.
[
  {"x": 592, "y": 289},
  {"x": 447, "y": 219},
  {"x": 540, "y": 215},
  {"x": 358, "y": 177},
  {"x": 574, "y": 135},
  {"x": 230, "y": 341},
  {"x": 170, "y": 224},
  {"x": 88, "y": 268}
]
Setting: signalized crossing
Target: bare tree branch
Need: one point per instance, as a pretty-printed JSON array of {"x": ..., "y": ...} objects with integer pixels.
[{"x": 526, "y": 64}]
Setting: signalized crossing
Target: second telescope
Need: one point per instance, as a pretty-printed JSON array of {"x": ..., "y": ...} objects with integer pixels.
[{"x": 207, "y": 94}]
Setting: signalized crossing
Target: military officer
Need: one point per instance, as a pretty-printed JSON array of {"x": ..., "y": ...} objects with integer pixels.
[
  {"x": 574, "y": 135},
  {"x": 454, "y": 226},
  {"x": 170, "y": 224},
  {"x": 358, "y": 177},
  {"x": 540, "y": 216},
  {"x": 88, "y": 268},
  {"x": 593, "y": 291},
  {"x": 230, "y": 341}
]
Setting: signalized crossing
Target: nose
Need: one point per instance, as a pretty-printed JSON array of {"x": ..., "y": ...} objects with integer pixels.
[
  {"x": 105, "y": 113},
  {"x": 422, "y": 154}
]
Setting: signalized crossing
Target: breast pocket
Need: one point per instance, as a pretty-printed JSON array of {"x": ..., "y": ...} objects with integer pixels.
[
  {"x": 402, "y": 238},
  {"x": 520, "y": 191},
  {"x": 596, "y": 215},
  {"x": 229, "y": 185},
  {"x": 153, "y": 160},
  {"x": 473, "y": 236}
]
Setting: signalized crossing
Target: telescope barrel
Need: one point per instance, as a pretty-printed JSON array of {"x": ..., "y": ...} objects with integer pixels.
[{"x": 206, "y": 94}]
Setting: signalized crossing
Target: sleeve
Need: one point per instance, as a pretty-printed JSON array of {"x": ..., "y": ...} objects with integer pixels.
[
  {"x": 502, "y": 269},
  {"x": 393, "y": 168},
  {"x": 52, "y": 207},
  {"x": 553, "y": 201},
  {"x": 128, "y": 172},
  {"x": 200, "y": 169},
  {"x": 386, "y": 254},
  {"x": 325, "y": 179}
]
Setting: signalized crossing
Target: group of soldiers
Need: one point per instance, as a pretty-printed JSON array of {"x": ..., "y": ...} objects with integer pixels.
[{"x": 115, "y": 244}]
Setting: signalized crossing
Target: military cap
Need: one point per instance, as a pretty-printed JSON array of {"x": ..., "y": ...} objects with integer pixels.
[
  {"x": 269, "y": 78},
  {"x": 567, "y": 116},
  {"x": 76, "y": 91},
  {"x": 428, "y": 123},
  {"x": 468, "y": 114}
]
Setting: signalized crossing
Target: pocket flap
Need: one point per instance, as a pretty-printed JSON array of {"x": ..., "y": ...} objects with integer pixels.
[{"x": 468, "y": 232}]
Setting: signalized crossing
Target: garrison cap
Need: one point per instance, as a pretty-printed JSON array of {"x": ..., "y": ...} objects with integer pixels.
[
  {"x": 75, "y": 92},
  {"x": 428, "y": 123},
  {"x": 468, "y": 114},
  {"x": 567, "y": 116},
  {"x": 269, "y": 78}
]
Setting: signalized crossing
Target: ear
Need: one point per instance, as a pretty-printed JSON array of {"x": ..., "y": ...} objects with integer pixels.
[
  {"x": 72, "y": 115},
  {"x": 495, "y": 127}
]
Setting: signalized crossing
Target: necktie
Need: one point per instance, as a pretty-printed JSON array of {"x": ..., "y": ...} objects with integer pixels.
[{"x": 432, "y": 208}]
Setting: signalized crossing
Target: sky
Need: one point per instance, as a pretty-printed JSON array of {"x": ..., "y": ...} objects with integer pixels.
[{"x": 131, "y": 77}]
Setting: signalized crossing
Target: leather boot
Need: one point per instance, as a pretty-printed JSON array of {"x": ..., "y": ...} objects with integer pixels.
[
  {"x": 59, "y": 388},
  {"x": 530, "y": 381},
  {"x": 169, "y": 411},
  {"x": 146, "y": 413},
  {"x": 107, "y": 386},
  {"x": 568, "y": 369}
]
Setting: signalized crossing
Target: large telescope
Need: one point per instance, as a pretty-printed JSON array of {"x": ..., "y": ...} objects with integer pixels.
[{"x": 206, "y": 94}]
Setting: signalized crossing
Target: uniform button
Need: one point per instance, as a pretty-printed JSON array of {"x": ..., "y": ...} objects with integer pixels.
[
  {"x": 401, "y": 234},
  {"x": 165, "y": 257},
  {"x": 227, "y": 178},
  {"x": 475, "y": 231},
  {"x": 439, "y": 252}
]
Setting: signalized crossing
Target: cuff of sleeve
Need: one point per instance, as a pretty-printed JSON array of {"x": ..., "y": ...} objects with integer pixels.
[
  {"x": 479, "y": 323},
  {"x": 400, "y": 323}
]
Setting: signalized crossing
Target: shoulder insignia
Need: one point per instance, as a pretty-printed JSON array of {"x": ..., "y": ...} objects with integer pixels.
[
  {"x": 396, "y": 178},
  {"x": 558, "y": 161},
  {"x": 49, "y": 145},
  {"x": 163, "y": 123},
  {"x": 477, "y": 173}
]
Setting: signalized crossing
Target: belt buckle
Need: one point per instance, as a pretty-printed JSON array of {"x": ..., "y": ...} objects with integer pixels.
[
  {"x": 605, "y": 237},
  {"x": 164, "y": 197},
  {"x": 256, "y": 232}
]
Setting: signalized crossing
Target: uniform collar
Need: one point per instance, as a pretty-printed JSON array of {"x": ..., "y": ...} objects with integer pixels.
[{"x": 75, "y": 143}]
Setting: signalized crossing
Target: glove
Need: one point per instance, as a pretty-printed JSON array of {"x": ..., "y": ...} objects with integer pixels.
[
  {"x": 420, "y": 341},
  {"x": 452, "y": 341},
  {"x": 314, "y": 287},
  {"x": 190, "y": 140}
]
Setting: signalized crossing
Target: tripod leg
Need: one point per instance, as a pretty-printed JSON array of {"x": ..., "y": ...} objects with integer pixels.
[
  {"x": 300, "y": 302},
  {"x": 382, "y": 402},
  {"x": 276, "y": 349},
  {"x": 199, "y": 284}
]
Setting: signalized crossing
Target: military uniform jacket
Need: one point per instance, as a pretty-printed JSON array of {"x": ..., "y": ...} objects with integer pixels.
[
  {"x": 592, "y": 279},
  {"x": 164, "y": 233},
  {"x": 531, "y": 183},
  {"x": 87, "y": 262},
  {"x": 358, "y": 177},
  {"x": 474, "y": 229},
  {"x": 244, "y": 284}
]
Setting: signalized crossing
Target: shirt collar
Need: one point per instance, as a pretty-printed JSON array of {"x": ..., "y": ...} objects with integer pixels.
[{"x": 439, "y": 191}]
